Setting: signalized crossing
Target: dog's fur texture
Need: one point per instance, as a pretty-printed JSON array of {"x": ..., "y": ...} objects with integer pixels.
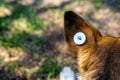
[{"x": 99, "y": 57}]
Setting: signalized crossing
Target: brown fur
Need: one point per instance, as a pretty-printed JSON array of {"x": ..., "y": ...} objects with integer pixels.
[{"x": 99, "y": 57}]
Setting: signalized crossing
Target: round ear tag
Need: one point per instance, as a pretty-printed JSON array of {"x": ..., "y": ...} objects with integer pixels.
[{"x": 79, "y": 38}]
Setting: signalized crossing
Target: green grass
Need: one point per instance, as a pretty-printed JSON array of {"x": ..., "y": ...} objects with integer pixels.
[
  {"x": 18, "y": 28},
  {"x": 49, "y": 69},
  {"x": 21, "y": 40},
  {"x": 12, "y": 67},
  {"x": 23, "y": 29},
  {"x": 3, "y": 3},
  {"x": 97, "y": 3},
  {"x": 1, "y": 60},
  {"x": 24, "y": 13}
]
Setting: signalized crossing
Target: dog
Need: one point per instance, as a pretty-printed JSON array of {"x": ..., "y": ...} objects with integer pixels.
[{"x": 98, "y": 56}]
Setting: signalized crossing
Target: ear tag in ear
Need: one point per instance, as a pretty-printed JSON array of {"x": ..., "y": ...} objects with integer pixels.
[{"x": 79, "y": 38}]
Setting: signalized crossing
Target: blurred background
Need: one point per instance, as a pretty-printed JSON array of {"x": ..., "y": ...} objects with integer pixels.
[{"x": 32, "y": 45}]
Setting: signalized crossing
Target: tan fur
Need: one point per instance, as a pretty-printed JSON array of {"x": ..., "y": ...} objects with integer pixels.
[{"x": 99, "y": 57}]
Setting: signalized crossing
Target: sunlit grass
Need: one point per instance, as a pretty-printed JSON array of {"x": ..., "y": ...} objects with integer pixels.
[{"x": 17, "y": 28}]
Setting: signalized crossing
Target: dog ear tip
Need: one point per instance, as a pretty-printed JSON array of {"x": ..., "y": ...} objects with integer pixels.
[{"x": 68, "y": 13}]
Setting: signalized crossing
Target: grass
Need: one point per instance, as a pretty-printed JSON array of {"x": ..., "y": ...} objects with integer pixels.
[
  {"x": 22, "y": 29},
  {"x": 12, "y": 67},
  {"x": 21, "y": 40},
  {"x": 97, "y": 3},
  {"x": 20, "y": 26},
  {"x": 19, "y": 30},
  {"x": 50, "y": 68}
]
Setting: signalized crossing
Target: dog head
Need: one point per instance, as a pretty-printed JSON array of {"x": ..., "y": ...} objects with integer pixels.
[
  {"x": 94, "y": 51},
  {"x": 74, "y": 24}
]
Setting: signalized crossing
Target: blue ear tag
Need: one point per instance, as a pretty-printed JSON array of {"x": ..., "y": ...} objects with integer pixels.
[{"x": 79, "y": 38}]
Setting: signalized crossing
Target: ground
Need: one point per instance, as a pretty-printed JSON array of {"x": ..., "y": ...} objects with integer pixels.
[{"x": 31, "y": 61}]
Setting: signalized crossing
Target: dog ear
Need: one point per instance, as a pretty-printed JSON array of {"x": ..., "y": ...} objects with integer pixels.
[{"x": 73, "y": 23}]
